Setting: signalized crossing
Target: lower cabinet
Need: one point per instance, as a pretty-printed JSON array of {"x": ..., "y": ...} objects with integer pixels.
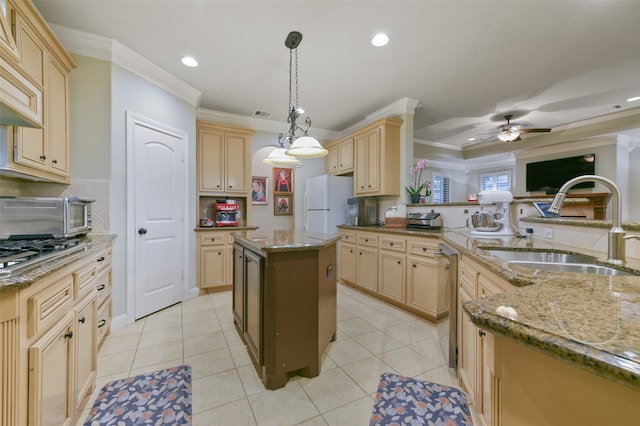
[
  {"x": 247, "y": 298},
  {"x": 214, "y": 264},
  {"x": 49, "y": 332},
  {"x": 475, "y": 346},
  {"x": 399, "y": 269}
]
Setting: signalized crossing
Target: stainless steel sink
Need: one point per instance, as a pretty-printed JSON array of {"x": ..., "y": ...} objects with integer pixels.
[{"x": 555, "y": 261}]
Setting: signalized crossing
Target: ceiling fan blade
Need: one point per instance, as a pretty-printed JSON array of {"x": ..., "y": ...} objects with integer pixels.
[{"x": 535, "y": 130}]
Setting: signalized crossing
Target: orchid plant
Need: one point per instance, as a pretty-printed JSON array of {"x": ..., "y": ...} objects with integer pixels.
[{"x": 418, "y": 185}]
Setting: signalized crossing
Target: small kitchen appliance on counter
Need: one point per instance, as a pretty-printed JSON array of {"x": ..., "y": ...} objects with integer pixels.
[
  {"x": 492, "y": 224},
  {"x": 424, "y": 220},
  {"x": 362, "y": 211},
  {"x": 226, "y": 213}
]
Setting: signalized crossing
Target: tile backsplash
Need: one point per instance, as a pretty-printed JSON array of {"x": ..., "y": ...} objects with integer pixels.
[{"x": 98, "y": 190}]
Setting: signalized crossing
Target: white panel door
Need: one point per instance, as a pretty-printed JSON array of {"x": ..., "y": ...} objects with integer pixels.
[{"x": 159, "y": 202}]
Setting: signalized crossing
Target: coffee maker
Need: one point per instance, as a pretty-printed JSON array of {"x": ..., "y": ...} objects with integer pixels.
[{"x": 492, "y": 224}]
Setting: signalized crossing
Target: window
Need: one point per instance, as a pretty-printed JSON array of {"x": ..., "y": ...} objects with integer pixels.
[
  {"x": 496, "y": 181},
  {"x": 441, "y": 189}
]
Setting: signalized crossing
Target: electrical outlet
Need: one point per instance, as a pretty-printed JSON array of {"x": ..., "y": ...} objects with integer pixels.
[
  {"x": 547, "y": 233},
  {"x": 534, "y": 230}
]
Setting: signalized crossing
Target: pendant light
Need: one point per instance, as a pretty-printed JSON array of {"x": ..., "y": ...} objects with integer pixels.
[{"x": 293, "y": 145}]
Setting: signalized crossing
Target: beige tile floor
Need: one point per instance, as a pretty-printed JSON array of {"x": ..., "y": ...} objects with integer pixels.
[{"x": 373, "y": 337}]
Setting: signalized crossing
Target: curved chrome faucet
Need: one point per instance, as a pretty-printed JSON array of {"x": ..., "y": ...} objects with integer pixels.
[{"x": 616, "y": 246}]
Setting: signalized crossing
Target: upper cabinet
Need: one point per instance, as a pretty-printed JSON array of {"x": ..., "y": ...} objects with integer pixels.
[
  {"x": 224, "y": 155},
  {"x": 372, "y": 155},
  {"x": 339, "y": 160},
  {"x": 37, "y": 153},
  {"x": 377, "y": 159}
]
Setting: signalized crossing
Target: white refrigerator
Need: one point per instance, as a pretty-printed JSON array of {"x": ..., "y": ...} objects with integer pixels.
[{"x": 325, "y": 203}]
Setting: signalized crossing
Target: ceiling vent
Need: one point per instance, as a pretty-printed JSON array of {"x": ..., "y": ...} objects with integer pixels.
[{"x": 263, "y": 114}]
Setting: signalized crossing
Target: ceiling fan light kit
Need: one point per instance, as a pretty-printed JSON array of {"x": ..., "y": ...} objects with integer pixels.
[
  {"x": 299, "y": 145},
  {"x": 511, "y": 132}
]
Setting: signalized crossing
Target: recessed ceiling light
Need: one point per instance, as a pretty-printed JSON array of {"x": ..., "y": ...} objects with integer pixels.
[
  {"x": 189, "y": 61},
  {"x": 380, "y": 40},
  {"x": 635, "y": 98},
  {"x": 471, "y": 139}
]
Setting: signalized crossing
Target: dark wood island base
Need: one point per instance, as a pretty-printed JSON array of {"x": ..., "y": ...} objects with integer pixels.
[{"x": 284, "y": 301}]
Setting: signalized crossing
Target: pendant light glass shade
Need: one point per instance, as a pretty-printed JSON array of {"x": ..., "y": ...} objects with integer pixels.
[
  {"x": 279, "y": 156},
  {"x": 306, "y": 147}
]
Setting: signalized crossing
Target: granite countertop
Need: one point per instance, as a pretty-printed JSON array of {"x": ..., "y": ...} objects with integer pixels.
[
  {"x": 592, "y": 321},
  {"x": 284, "y": 240},
  {"x": 416, "y": 232},
  {"x": 224, "y": 228},
  {"x": 31, "y": 274}
]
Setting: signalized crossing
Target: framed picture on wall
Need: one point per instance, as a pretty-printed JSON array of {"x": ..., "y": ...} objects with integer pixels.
[
  {"x": 259, "y": 190},
  {"x": 282, "y": 205},
  {"x": 283, "y": 180}
]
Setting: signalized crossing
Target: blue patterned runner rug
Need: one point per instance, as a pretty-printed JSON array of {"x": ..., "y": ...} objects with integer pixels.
[{"x": 159, "y": 398}]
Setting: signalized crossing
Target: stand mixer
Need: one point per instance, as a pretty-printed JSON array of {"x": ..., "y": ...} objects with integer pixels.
[{"x": 488, "y": 224}]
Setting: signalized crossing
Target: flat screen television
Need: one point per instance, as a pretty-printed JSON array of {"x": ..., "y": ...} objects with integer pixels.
[{"x": 550, "y": 175}]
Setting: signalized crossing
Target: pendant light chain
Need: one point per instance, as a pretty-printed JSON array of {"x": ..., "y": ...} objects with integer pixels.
[{"x": 290, "y": 78}]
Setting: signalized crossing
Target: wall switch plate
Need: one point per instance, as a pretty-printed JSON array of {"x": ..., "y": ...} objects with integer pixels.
[{"x": 547, "y": 233}]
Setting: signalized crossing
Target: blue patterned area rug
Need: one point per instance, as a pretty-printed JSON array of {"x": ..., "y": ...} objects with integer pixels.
[{"x": 159, "y": 398}]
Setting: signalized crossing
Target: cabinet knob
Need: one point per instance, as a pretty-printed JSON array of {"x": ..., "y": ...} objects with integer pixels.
[
  {"x": 101, "y": 287},
  {"x": 399, "y": 262},
  {"x": 414, "y": 265},
  {"x": 481, "y": 333},
  {"x": 424, "y": 249},
  {"x": 54, "y": 161},
  {"x": 100, "y": 259},
  {"x": 218, "y": 186},
  {"x": 68, "y": 335},
  {"x": 219, "y": 253},
  {"x": 230, "y": 186},
  {"x": 43, "y": 157},
  {"x": 213, "y": 240},
  {"x": 101, "y": 323},
  {"x": 82, "y": 320}
]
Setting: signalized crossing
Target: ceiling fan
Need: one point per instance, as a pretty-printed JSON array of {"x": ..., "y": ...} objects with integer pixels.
[{"x": 511, "y": 132}]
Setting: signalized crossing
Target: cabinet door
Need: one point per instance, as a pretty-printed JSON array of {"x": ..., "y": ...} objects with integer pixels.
[
  {"x": 347, "y": 265},
  {"x": 238, "y": 286},
  {"x": 331, "y": 160},
  {"x": 235, "y": 167},
  {"x": 422, "y": 292},
  {"x": 345, "y": 155},
  {"x": 253, "y": 314},
  {"x": 213, "y": 262},
  {"x": 51, "y": 360},
  {"x": 85, "y": 345},
  {"x": 392, "y": 275},
  {"x": 362, "y": 165},
  {"x": 210, "y": 160},
  {"x": 467, "y": 350},
  {"x": 57, "y": 127},
  {"x": 373, "y": 160},
  {"x": 367, "y": 268}
]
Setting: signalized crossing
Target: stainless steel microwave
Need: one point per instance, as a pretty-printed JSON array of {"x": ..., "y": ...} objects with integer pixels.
[{"x": 38, "y": 217}]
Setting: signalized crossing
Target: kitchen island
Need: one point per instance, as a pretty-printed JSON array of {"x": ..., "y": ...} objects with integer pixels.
[{"x": 284, "y": 300}]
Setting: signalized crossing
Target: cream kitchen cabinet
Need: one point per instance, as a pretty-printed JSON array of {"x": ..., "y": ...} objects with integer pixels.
[
  {"x": 377, "y": 159},
  {"x": 41, "y": 153},
  {"x": 339, "y": 160},
  {"x": 48, "y": 331},
  {"x": 223, "y": 156},
  {"x": 392, "y": 268},
  {"x": 426, "y": 287},
  {"x": 215, "y": 259},
  {"x": 474, "y": 345},
  {"x": 398, "y": 269}
]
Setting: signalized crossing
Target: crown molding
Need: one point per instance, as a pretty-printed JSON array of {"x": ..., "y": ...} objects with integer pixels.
[
  {"x": 258, "y": 124},
  {"x": 107, "y": 49},
  {"x": 400, "y": 107}
]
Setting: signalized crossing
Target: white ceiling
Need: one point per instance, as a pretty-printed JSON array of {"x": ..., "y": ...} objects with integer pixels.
[{"x": 468, "y": 63}]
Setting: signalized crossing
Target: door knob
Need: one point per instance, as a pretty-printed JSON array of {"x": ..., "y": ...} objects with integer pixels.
[{"x": 142, "y": 231}]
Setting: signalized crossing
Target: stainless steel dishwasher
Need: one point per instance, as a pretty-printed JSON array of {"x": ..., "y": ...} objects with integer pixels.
[{"x": 448, "y": 272}]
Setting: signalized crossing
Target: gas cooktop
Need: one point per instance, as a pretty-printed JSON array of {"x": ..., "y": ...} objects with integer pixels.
[{"x": 18, "y": 253}]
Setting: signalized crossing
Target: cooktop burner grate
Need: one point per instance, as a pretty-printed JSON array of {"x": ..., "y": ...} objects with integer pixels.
[{"x": 17, "y": 252}]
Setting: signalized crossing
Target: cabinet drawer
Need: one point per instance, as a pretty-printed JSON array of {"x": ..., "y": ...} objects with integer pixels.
[
  {"x": 396, "y": 244},
  {"x": 103, "y": 260},
  {"x": 49, "y": 304},
  {"x": 467, "y": 278},
  {"x": 104, "y": 319},
  {"x": 103, "y": 285},
  {"x": 368, "y": 240},
  {"x": 84, "y": 280},
  {"x": 422, "y": 248},
  {"x": 213, "y": 239},
  {"x": 348, "y": 237}
]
